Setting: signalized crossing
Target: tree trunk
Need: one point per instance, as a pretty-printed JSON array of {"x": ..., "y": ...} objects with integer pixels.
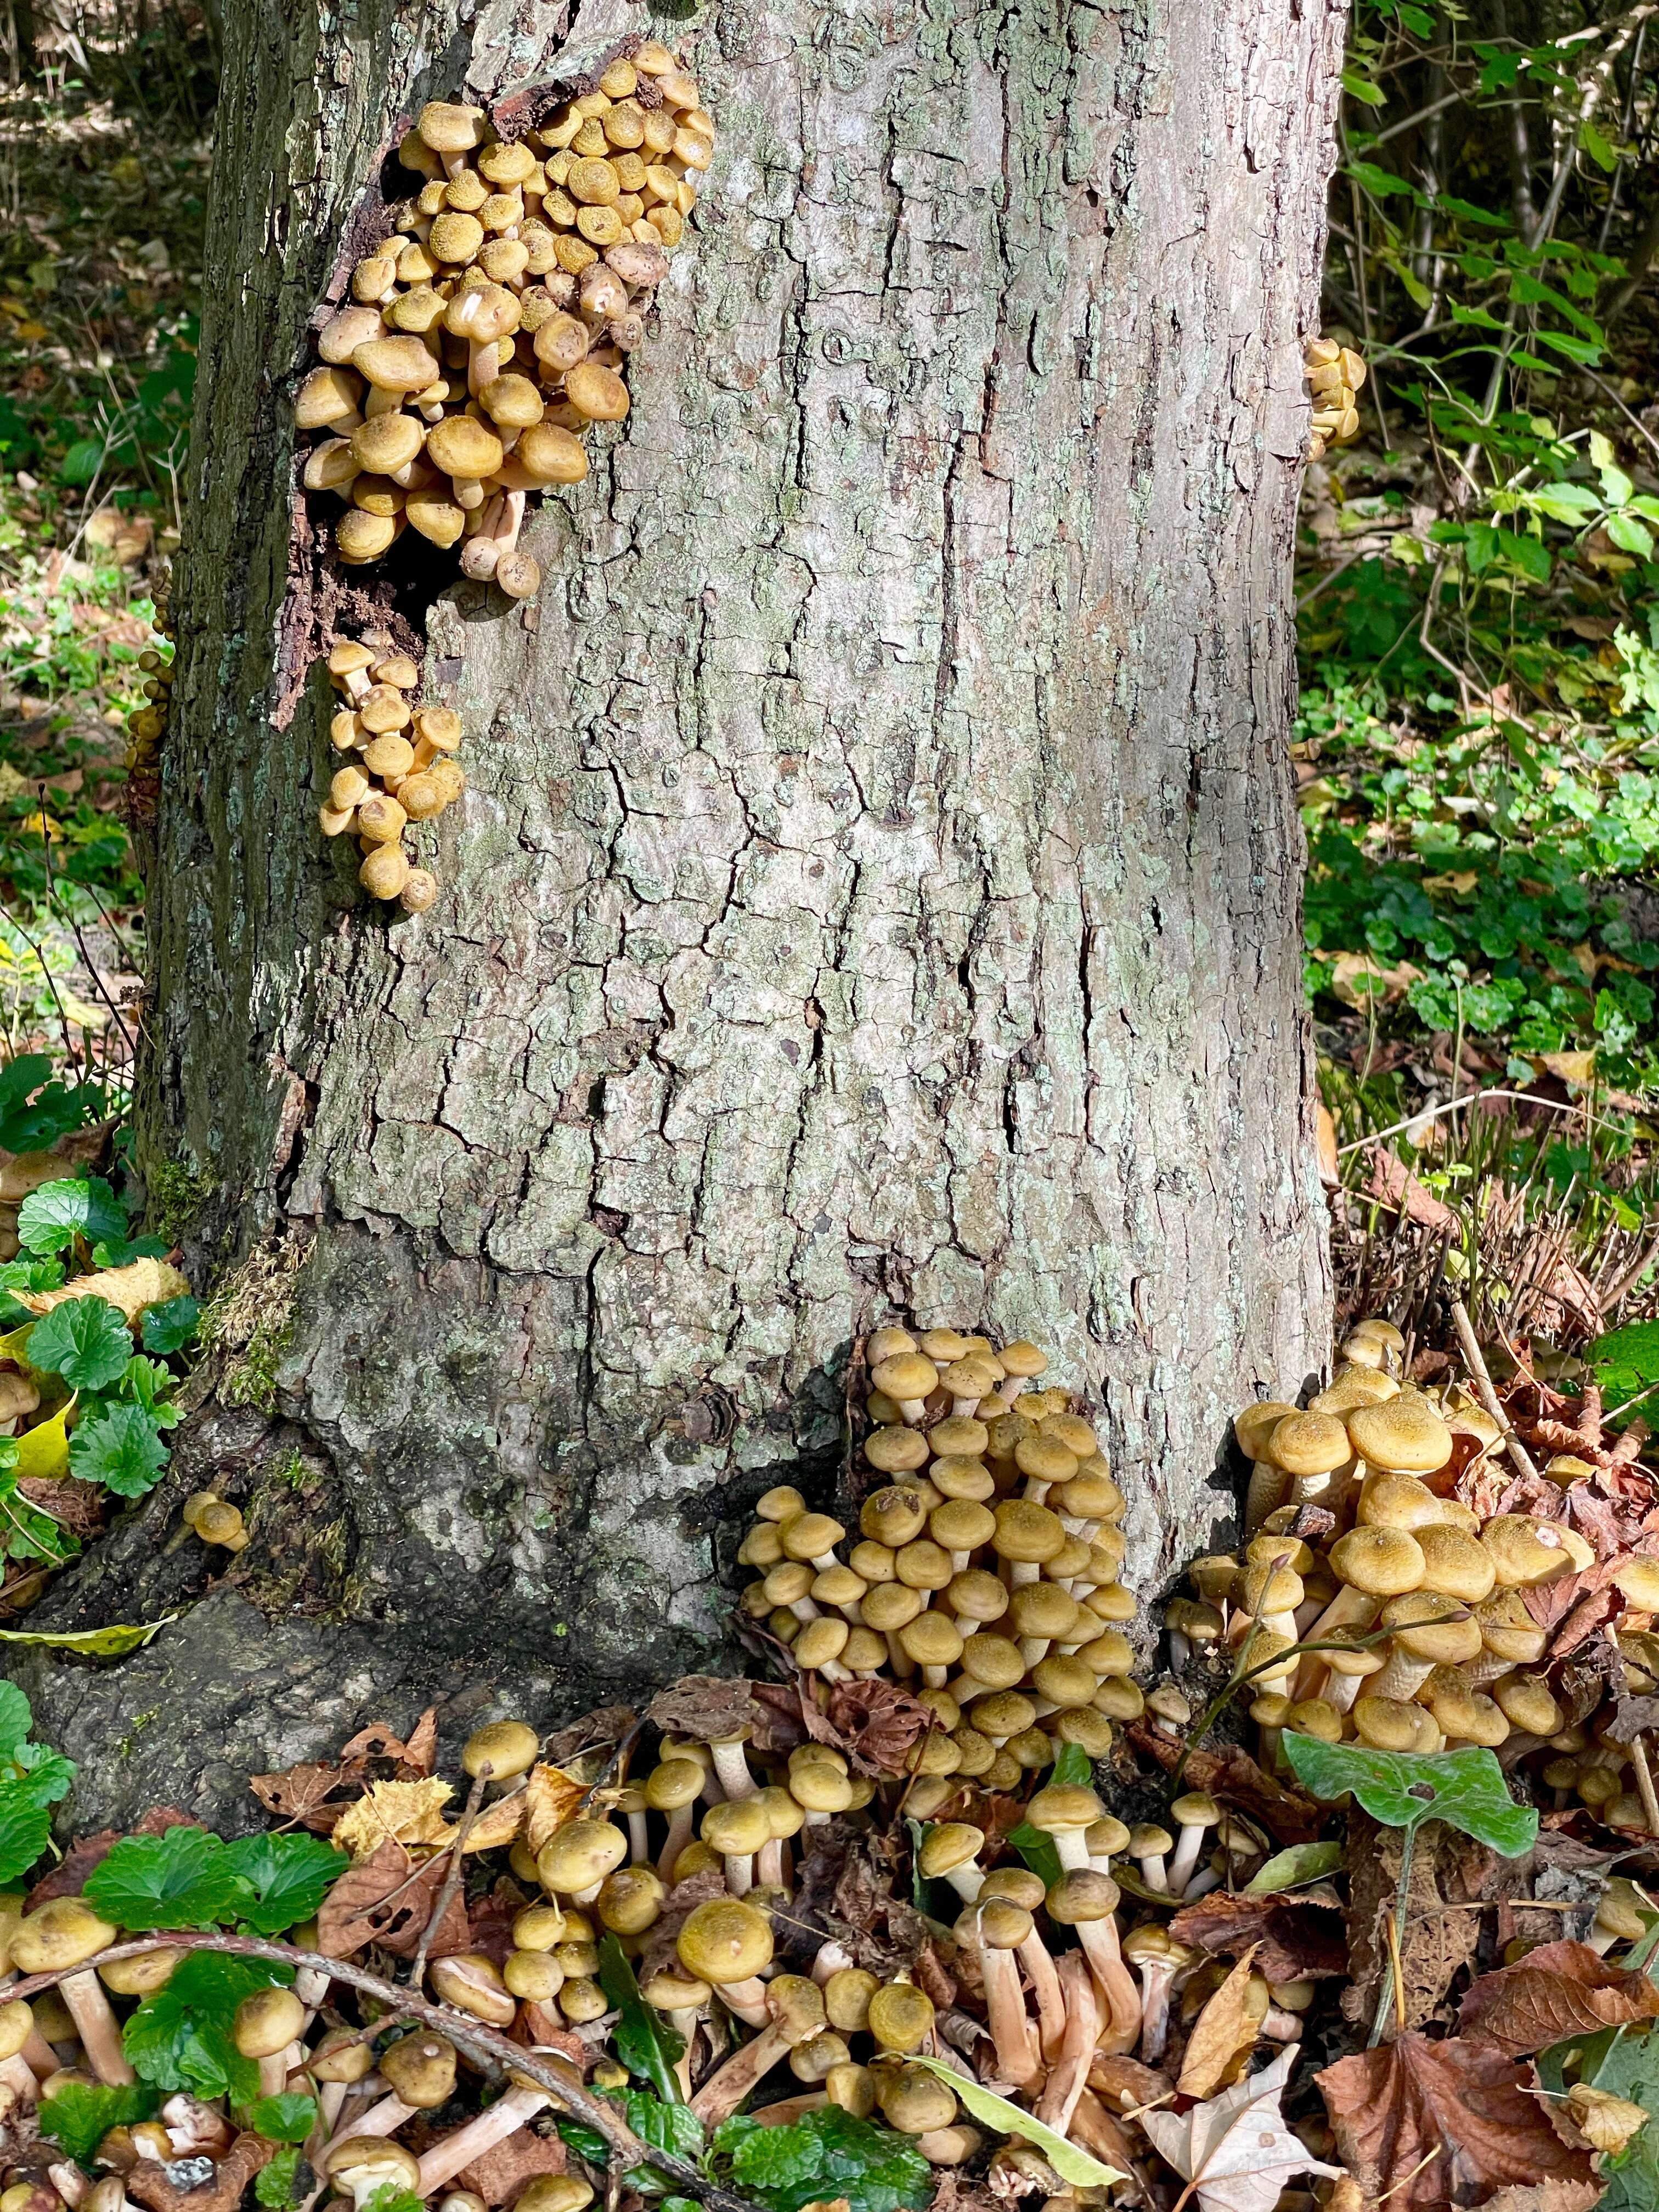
[{"x": 877, "y": 890}]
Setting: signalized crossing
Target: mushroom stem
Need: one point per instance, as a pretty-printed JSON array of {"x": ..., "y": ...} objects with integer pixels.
[
  {"x": 1018, "y": 2058},
  {"x": 730, "y": 1764},
  {"x": 19, "y": 2077},
  {"x": 446, "y": 2157},
  {"x": 100, "y": 2035},
  {"x": 747, "y": 2000},
  {"x": 727, "y": 2087},
  {"x": 638, "y": 1838},
  {"x": 71, "y": 2184},
  {"x": 1184, "y": 1860},
  {"x": 679, "y": 1835},
  {"x": 1070, "y": 2077},
  {"x": 384, "y": 2118},
  {"x": 1157, "y": 1980},
  {"x": 1045, "y": 1988}
]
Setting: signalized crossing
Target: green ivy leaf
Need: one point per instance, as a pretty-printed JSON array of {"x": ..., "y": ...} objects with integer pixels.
[
  {"x": 52, "y": 1217},
  {"x": 388, "y": 2198},
  {"x": 170, "y": 1325},
  {"x": 150, "y": 1384},
  {"x": 285, "y": 1877},
  {"x": 641, "y": 2036},
  {"x": 32, "y": 1124},
  {"x": 288, "y": 2118},
  {"x": 79, "y": 2115},
  {"x": 119, "y": 1446},
  {"x": 122, "y": 1251},
  {"x": 84, "y": 1339},
  {"x": 17, "y": 1718},
  {"x": 25, "y": 1832},
  {"x": 1290, "y": 1870},
  {"x": 587, "y": 2143},
  {"x": 180, "y": 2037},
  {"x": 1629, "y": 535},
  {"x": 180, "y": 1879},
  {"x": 673, "y": 2127},
  {"x": 26, "y": 1531},
  {"x": 1403, "y": 1788},
  {"x": 825, "y": 2155},
  {"x": 273, "y": 2184}
]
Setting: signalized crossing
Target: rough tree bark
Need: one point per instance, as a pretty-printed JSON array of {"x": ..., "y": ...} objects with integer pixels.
[{"x": 877, "y": 888}]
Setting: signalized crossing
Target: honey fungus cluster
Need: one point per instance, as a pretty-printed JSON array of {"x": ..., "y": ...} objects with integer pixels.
[
  {"x": 1335, "y": 374},
  {"x": 488, "y": 332},
  {"x": 399, "y": 766}
]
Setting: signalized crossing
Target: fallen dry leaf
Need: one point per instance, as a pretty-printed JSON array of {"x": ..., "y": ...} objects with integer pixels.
[
  {"x": 1236, "y": 2149},
  {"x": 550, "y": 1798},
  {"x": 132, "y": 1288},
  {"x": 876, "y": 1724},
  {"x": 704, "y": 1707},
  {"x": 149, "y": 2183},
  {"x": 67, "y": 1878},
  {"x": 1545, "y": 2197},
  {"x": 420, "y": 1752},
  {"x": 1558, "y": 1991},
  {"x": 1431, "y": 2124},
  {"x": 1294, "y": 1939},
  {"x": 1222, "y": 2029},
  {"x": 307, "y": 1793},
  {"x": 604, "y": 1728},
  {"x": 403, "y": 1811},
  {"x": 1234, "y": 1777},
  {"x": 504, "y": 2168},
  {"x": 1123, "y": 2084},
  {"x": 495, "y": 1824},
  {"x": 1389, "y": 1178},
  {"x": 388, "y": 1899}
]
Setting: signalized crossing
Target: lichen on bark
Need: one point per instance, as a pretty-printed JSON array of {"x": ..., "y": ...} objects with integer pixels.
[{"x": 879, "y": 886}]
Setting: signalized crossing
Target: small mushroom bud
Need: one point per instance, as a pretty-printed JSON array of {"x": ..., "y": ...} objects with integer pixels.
[
  {"x": 419, "y": 892},
  {"x": 221, "y": 1524}
]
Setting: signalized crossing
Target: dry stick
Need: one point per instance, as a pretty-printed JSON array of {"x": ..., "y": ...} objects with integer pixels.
[
  {"x": 92, "y": 968},
  {"x": 542, "y": 2069},
  {"x": 452, "y": 1880},
  {"x": 1466, "y": 1336}
]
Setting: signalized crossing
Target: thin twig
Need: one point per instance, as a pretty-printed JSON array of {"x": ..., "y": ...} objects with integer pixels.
[
  {"x": 452, "y": 1880},
  {"x": 1471, "y": 1344},
  {"x": 1638, "y": 1759},
  {"x": 542, "y": 2069}
]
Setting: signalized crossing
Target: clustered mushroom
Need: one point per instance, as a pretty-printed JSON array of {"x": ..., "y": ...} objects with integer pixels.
[
  {"x": 985, "y": 1574},
  {"x": 1420, "y": 1600},
  {"x": 1335, "y": 374},
  {"x": 491, "y": 329},
  {"x": 147, "y": 726},
  {"x": 398, "y": 766}
]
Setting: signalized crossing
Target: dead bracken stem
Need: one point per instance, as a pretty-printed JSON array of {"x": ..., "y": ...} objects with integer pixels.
[
  {"x": 545, "y": 2070},
  {"x": 1471, "y": 1344}
]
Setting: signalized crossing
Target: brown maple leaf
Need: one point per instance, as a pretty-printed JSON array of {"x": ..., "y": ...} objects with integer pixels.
[
  {"x": 1295, "y": 1939},
  {"x": 1558, "y": 1991},
  {"x": 1222, "y": 2030},
  {"x": 388, "y": 1899},
  {"x": 316, "y": 1794},
  {"x": 420, "y": 1752},
  {"x": 1428, "y": 2124}
]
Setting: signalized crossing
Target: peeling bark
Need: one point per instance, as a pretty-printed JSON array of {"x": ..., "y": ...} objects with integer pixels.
[{"x": 879, "y": 885}]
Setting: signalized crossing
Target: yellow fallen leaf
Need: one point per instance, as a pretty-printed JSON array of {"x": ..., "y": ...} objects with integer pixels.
[
  {"x": 43, "y": 1451},
  {"x": 1571, "y": 1067},
  {"x": 405, "y": 1812},
  {"x": 31, "y": 331},
  {"x": 1460, "y": 880},
  {"x": 141, "y": 1283},
  {"x": 498, "y": 1824},
  {"x": 1222, "y": 2032},
  {"x": 551, "y": 1797}
]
